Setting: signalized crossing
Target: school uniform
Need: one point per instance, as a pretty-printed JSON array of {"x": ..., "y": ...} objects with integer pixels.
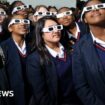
[
  {"x": 52, "y": 85},
  {"x": 15, "y": 68},
  {"x": 89, "y": 70},
  {"x": 67, "y": 36}
]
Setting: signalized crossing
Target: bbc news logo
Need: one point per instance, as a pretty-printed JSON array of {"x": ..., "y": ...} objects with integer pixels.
[{"x": 6, "y": 93}]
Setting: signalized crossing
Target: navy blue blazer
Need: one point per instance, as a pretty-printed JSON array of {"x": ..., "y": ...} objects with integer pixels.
[
  {"x": 88, "y": 72},
  {"x": 14, "y": 70},
  {"x": 43, "y": 80}
]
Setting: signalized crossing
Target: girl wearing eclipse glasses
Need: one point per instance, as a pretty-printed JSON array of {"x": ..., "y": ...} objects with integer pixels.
[
  {"x": 89, "y": 56},
  {"x": 49, "y": 66},
  {"x": 72, "y": 31},
  {"x": 16, "y": 51},
  {"x": 18, "y": 7}
]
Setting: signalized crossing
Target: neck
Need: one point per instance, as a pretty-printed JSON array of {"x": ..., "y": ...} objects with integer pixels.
[
  {"x": 54, "y": 46},
  {"x": 18, "y": 39},
  {"x": 72, "y": 28},
  {"x": 98, "y": 32}
]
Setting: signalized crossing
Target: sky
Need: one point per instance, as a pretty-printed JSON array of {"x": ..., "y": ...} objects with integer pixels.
[{"x": 57, "y": 3}]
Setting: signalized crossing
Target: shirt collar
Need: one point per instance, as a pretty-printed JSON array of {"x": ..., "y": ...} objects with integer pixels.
[
  {"x": 21, "y": 49},
  {"x": 1, "y": 28},
  {"x": 54, "y": 53},
  {"x": 97, "y": 40}
]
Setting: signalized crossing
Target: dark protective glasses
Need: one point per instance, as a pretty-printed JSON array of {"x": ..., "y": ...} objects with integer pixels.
[
  {"x": 16, "y": 21},
  {"x": 67, "y": 13},
  {"x": 44, "y": 13},
  {"x": 92, "y": 7},
  {"x": 52, "y": 28},
  {"x": 22, "y": 7}
]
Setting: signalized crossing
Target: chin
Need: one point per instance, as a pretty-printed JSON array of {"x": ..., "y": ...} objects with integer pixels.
[
  {"x": 57, "y": 40},
  {"x": 66, "y": 24}
]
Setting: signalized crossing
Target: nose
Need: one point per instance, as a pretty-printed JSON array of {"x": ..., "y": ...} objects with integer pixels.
[
  {"x": 65, "y": 16},
  {"x": 95, "y": 9},
  {"x": 55, "y": 30}
]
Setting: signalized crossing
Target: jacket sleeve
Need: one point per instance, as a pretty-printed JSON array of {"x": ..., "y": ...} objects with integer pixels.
[
  {"x": 37, "y": 81},
  {"x": 87, "y": 96}
]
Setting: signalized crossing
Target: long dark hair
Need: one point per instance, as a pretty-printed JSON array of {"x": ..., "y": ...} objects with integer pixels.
[{"x": 38, "y": 42}]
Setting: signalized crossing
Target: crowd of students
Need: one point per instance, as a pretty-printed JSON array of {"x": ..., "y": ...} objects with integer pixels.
[{"x": 48, "y": 56}]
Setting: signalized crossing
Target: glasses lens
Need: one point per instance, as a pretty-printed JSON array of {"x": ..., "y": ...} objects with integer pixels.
[
  {"x": 25, "y": 6},
  {"x": 50, "y": 28},
  {"x": 68, "y": 13},
  {"x": 40, "y": 13},
  {"x": 17, "y": 21},
  {"x": 26, "y": 21},
  {"x": 59, "y": 27},
  {"x": 100, "y": 6},
  {"x": 2, "y": 13},
  {"x": 47, "y": 13},
  {"x": 18, "y": 8},
  {"x": 89, "y": 8}
]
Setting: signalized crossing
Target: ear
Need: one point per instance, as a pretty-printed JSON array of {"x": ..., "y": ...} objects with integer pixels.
[{"x": 10, "y": 29}]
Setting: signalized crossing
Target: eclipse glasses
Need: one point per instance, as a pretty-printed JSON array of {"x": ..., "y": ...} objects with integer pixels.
[
  {"x": 93, "y": 7},
  {"x": 45, "y": 13},
  {"x": 18, "y": 8},
  {"x": 16, "y": 21},
  {"x": 67, "y": 13},
  {"x": 52, "y": 28}
]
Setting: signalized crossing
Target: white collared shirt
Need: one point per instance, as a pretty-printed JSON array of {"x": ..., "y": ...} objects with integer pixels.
[
  {"x": 101, "y": 42},
  {"x": 76, "y": 34},
  {"x": 1, "y": 28},
  {"x": 21, "y": 49},
  {"x": 54, "y": 53}
]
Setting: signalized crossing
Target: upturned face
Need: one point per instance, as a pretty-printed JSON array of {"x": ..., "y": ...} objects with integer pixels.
[
  {"x": 52, "y": 36},
  {"x": 67, "y": 19},
  {"x": 95, "y": 16},
  {"x": 20, "y": 26}
]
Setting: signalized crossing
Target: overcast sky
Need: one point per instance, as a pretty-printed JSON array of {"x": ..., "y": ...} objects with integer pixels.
[{"x": 57, "y": 3}]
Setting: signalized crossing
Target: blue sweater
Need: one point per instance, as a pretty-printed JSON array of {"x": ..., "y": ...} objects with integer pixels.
[{"x": 66, "y": 93}]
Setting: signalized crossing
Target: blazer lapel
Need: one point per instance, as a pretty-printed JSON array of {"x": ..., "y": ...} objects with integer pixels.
[
  {"x": 14, "y": 57},
  {"x": 52, "y": 77}
]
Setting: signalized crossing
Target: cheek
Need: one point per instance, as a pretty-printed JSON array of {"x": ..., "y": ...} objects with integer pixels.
[
  {"x": 2, "y": 18},
  {"x": 60, "y": 20},
  {"x": 38, "y": 17},
  {"x": 47, "y": 36},
  {"x": 102, "y": 11}
]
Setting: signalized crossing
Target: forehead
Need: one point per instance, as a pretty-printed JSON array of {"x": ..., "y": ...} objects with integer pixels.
[
  {"x": 93, "y": 2},
  {"x": 52, "y": 9},
  {"x": 63, "y": 10},
  {"x": 18, "y": 17},
  {"x": 19, "y": 4},
  {"x": 42, "y": 9},
  {"x": 50, "y": 23}
]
